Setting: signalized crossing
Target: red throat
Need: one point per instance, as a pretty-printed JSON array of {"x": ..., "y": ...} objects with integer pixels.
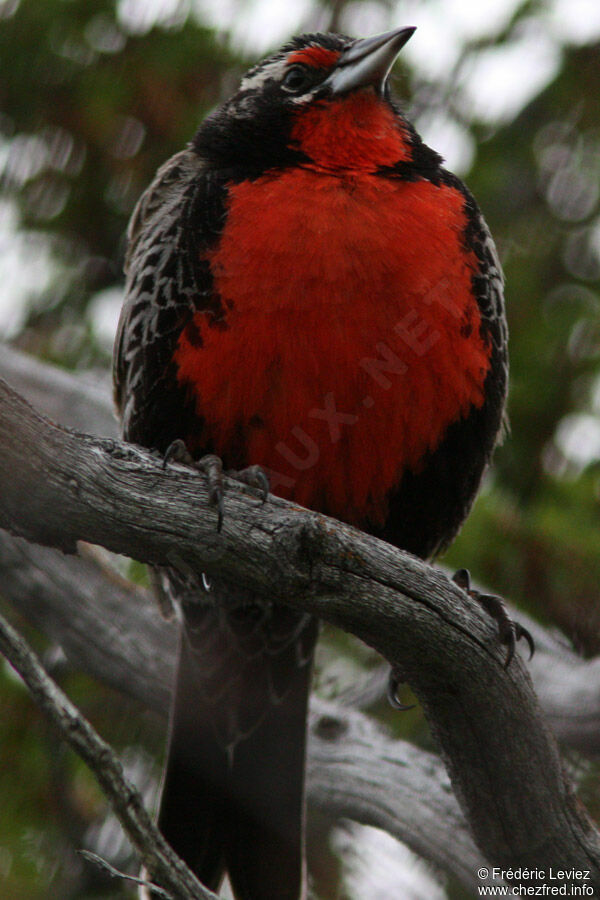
[{"x": 357, "y": 132}]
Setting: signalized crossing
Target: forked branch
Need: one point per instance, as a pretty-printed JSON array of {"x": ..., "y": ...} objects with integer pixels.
[{"x": 502, "y": 759}]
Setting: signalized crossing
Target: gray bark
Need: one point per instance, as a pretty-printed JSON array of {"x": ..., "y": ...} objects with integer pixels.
[
  {"x": 114, "y": 632},
  {"x": 127, "y": 803},
  {"x": 502, "y": 759}
]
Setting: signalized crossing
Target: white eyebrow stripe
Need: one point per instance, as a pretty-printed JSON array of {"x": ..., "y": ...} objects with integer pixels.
[{"x": 270, "y": 71}]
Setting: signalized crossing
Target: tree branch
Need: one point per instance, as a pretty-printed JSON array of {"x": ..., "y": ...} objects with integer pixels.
[
  {"x": 156, "y": 854},
  {"x": 567, "y": 686},
  {"x": 115, "y": 633},
  {"x": 501, "y": 757}
]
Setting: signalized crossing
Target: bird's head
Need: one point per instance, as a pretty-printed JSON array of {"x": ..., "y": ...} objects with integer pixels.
[{"x": 322, "y": 100}]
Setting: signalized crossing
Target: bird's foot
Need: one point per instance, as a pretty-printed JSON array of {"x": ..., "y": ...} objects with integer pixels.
[
  {"x": 253, "y": 476},
  {"x": 212, "y": 467},
  {"x": 509, "y": 631}
]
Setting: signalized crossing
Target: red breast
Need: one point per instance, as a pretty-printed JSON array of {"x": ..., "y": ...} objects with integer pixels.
[{"x": 352, "y": 337}]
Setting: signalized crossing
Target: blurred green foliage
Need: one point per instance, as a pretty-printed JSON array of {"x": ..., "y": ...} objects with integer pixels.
[
  {"x": 535, "y": 535},
  {"x": 89, "y": 112},
  {"x": 91, "y": 103}
]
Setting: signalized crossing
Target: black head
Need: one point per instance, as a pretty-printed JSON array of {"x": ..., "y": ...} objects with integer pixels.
[{"x": 252, "y": 129}]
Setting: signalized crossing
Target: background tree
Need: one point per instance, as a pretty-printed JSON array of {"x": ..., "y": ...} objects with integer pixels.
[{"x": 93, "y": 97}]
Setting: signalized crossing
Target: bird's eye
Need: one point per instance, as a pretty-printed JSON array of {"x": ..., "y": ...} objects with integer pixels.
[{"x": 296, "y": 80}]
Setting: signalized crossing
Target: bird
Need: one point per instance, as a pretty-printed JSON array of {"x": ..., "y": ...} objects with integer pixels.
[{"x": 311, "y": 297}]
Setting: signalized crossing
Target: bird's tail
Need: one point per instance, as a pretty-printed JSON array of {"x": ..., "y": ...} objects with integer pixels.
[{"x": 233, "y": 791}]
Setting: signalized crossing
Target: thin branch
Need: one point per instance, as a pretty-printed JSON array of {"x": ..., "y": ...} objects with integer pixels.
[
  {"x": 155, "y": 853},
  {"x": 115, "y": 633},
  {"x": 114, "y": 873},
  {"x": 502, "y": 759}
]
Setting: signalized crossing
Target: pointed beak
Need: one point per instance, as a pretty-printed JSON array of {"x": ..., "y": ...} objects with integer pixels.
[{"x": 368, "y": 62}]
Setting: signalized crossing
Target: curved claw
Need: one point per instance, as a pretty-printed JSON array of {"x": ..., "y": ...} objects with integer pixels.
[
  {"x": 462, "y": 578},
  {"x": 215, "y": 495},
  {"x": 206, "y": 585},
  {"x": 264, "y": 484},
  {"x": 516, "y": 633},
  {"x": 509, "y": 632},
  {"x": 254, "y": 476},
  {"x": 394, "y": 683},
  {"x": 522, "y": 632},
  {"x": 511, "y": 642},
  {"x": 210, "y": 465},
  {"x": 177, "y": 452}
]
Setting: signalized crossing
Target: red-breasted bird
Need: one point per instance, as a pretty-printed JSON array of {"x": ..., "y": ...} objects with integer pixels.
[{"x": 311, "y": 292}]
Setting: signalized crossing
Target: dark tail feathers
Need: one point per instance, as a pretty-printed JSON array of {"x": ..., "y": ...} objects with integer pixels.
[{"x": 233, "y": 792}]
